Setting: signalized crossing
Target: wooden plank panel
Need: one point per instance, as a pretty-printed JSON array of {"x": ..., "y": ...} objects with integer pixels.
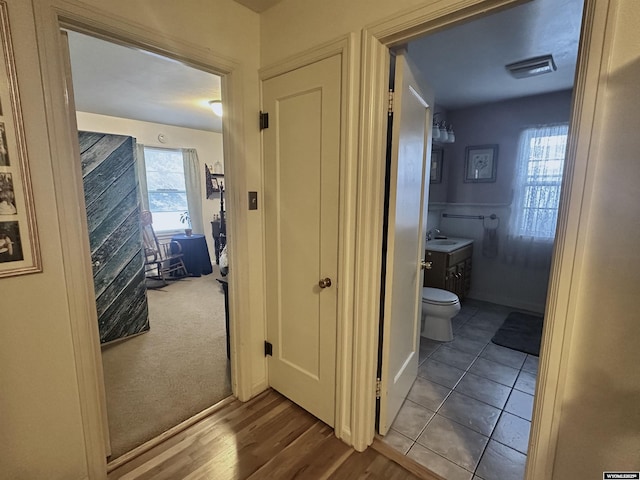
[
  {"x": 111, "y": 197},
  {"x": 109, "y": 202},
  {"x": 125, "y": 242},
  {"x": 128, "y": 314},
  {"x": 96, "y": 147}
]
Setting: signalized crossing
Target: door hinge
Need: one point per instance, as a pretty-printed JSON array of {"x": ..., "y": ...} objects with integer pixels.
[
  {"x": 264, "y": 120},
  {"x": 268, "y": 349},
  {"x": 378, "y": 387},
  {"x": 390, "y": 109}
]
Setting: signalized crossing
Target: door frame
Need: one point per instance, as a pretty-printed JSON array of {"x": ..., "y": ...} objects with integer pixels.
[
  {"x": 50, "y": 18},
  {"x": 343, "y": 46},
  {"x": 574, "y": 209}
]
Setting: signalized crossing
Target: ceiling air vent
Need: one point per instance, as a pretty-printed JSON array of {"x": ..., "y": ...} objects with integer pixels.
[{"x": 532, "y": 67}]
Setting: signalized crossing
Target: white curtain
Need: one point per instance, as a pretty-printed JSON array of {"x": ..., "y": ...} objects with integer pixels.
[
  {"x": 537, "y": 184},
  {"x": 193, "y": 181},
  {"x": 141, "y": 173}
]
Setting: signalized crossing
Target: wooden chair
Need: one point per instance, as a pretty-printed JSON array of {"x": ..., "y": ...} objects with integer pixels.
[{"x": 162, "y": 261}]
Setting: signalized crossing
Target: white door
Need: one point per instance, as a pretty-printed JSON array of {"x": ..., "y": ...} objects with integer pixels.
[
  {"x": 301, "y": 160},
  {"x": 408, "y": 192}
]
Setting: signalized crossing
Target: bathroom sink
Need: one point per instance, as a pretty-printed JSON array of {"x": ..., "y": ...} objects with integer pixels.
[{"x": 448, "y": 245}]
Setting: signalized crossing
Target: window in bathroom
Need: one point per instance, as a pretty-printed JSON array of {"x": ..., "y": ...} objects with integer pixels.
[{"x": 538, "y": 181}]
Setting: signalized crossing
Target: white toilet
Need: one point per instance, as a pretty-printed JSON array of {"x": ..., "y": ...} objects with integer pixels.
[{"x": 438, "y": 308}]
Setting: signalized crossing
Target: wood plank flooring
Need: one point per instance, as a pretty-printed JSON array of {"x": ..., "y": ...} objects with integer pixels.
[{"x": 268, "y": 437}]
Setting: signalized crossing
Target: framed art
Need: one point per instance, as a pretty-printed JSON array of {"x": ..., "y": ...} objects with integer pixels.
[
  {"x": 19, "y": 247},
  {"x": 436, "y": 165},
  {"x": 481, "y": 163},
  {"x": 214, "y": 181}
]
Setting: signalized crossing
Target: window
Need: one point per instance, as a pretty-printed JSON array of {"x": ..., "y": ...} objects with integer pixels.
[
  {"x": 538, "y": 181},
  {"x": 166, "y": 187}
]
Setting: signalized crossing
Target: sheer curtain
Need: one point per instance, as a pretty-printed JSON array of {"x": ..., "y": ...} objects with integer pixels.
[
  {"x": 193, "y": 180},
  {"x": 537, "y": 184},
  {"x": 141, "y": 173}
]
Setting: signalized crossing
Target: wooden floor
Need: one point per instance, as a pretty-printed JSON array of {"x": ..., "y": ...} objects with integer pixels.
[{"x": 268, "y": 437}]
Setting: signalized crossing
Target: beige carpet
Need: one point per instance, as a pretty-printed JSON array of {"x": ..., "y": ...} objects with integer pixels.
[{"x": 160, "y": 378}]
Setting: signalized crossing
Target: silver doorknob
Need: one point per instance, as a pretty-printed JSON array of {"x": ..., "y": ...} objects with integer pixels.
[
  {"x": 425, "y": 265},
  {"x": 324, "y": 283}
]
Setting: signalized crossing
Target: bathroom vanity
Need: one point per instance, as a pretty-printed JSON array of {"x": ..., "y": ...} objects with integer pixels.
[{"x": 450, "y": 265}]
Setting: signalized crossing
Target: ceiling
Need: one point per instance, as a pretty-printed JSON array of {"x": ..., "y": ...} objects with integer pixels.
[
  {"x": 125, "y": 82},
  {"x": 464, "y": 65}
]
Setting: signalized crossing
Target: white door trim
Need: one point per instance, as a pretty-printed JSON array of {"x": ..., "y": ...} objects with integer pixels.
[
  {"x": 342, "y": 46},
  {"x": 50, "y": 18},
  {"x": 568, "y": 259},
  {"x": 560, "y": 311}
]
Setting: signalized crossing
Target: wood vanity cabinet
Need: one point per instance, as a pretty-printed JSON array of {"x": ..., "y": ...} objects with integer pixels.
[{"x": 450, "y": 271}]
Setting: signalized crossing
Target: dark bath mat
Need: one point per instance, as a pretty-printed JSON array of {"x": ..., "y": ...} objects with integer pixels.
[{"x": 520, "y": 331}]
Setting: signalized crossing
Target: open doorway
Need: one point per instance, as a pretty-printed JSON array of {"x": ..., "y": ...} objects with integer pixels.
[
  {"x": 469, "y": 411},
  {"x": 176, "y": 365}
]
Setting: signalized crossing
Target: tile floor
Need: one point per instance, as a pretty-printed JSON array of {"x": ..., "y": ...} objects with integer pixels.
[{"x": 468, "y": 414}]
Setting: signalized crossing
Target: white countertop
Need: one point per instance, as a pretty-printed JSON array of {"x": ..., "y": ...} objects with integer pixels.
[{"x": 448, "y": 244}]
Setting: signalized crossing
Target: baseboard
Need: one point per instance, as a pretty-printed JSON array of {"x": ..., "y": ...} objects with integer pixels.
[
  {"x": 405, "y": 462},
  {"x": 259, "y": 387},
  {"x": 154, "y": 442}
]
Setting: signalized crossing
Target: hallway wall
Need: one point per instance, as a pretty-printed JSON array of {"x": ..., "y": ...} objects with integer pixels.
[{"x": 41, "y": 415}]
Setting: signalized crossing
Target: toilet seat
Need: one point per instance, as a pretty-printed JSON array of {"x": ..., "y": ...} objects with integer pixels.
[{"x": 436, "y": 296}]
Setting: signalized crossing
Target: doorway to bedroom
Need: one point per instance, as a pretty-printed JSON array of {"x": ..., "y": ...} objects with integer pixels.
[{"x": 149, "y": 141}]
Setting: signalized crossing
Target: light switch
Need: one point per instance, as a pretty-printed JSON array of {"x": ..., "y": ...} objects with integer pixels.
[{"x": 253, "y": 200}]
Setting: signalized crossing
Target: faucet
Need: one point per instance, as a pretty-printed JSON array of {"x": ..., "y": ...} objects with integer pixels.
[{"x": 430, "y": 234}]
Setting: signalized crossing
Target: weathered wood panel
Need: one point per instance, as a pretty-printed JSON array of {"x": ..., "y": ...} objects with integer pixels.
[{"x": 113, "y": 212}]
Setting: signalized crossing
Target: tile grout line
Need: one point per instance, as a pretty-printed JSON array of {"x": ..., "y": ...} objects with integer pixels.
[{"x": 451, "y": 390}]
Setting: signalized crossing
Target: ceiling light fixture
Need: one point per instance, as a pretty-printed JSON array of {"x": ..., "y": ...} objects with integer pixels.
[
  {"x": 532, "y": 67},
  {"x": 216, "y": 106}
]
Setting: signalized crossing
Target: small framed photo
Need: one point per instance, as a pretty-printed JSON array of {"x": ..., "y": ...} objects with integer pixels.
[
  {"x": 4, "y": 155},
  {"x": 10, "y": 243},
  {"x": 481, "y": 164},
  {"x": 436, "y": 166}
]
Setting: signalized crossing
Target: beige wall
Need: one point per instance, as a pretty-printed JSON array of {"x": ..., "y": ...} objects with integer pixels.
[
  {"x": 41, "y": 434},
  {"x": 600, "y": 424},
  {"x": 207, "y": 144},
  {"x": 295, "y": 25},
  {"x": 40, "y": 424}
]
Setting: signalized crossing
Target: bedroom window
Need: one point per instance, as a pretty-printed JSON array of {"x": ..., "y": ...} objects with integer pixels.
[
  {"x": 166, "y": 187},
  {"x": 538, "y": 181}
]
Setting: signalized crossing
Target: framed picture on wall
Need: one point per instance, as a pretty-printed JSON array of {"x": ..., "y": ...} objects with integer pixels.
[
  {"x": 481, "y": 163},
  {"x": 436, "y": 165},
  {"x": 214, "y": 181},
  {"x": 19, "y": 246}
]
